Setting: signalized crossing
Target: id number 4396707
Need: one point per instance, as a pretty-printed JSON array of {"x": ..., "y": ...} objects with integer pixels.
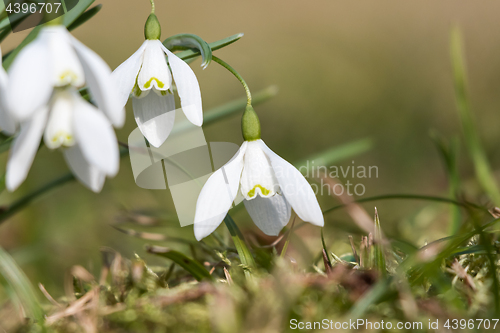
[
  {"x": 454, "y": 324},
  {"x": 40, "y": 7}
]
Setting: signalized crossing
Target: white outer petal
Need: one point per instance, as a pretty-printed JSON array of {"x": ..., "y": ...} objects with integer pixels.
[
  {"x": 86, "y": 173},
  {"x": 24, "y": 149},
  {"x": 30, "y": 79},
  {"x": 155, "y": 116},
  {"x": 101, "y": 85},
  {"x": 7, "y": 124},
  {"x": 269, "y": 214},
  {"x": 154, "y": 66},
  {"x": 96, "y": 138},
  {"x": 187, "y": 88},
  {"x": 295, "y": 188},
  {"x": 217, "y": 195},
  {"x": 125, "y": 75}
]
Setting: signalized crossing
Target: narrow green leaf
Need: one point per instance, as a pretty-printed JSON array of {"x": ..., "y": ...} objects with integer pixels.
[
  {"x": 85, "y": 17},
  {"x": 188, "y": 54},
  {"x": 335, "y": 154},
  {"x": 21, "y": 285},
  {"x": 221, "y": 112},
  {"x": 183, "y": 42},
  {"x": 193, "y": 267},
  {"x": 482, "y": 168},
  {"x": 68, "y": 19},
  {"x": 371, "y": 297},
  {"x": 379, "y": 247},
  {"x": 26, "y": 200},
  {"x": 325, "y": 250},
  {"x": 239, "y": 242},
  {"x": 449, "y": 155},
  {"x": 467, "y": 205}
]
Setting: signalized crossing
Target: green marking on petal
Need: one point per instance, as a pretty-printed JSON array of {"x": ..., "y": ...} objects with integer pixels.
[
  {"x": 263, "y": 190},
  {"x": 159, "y": 83},
  {"x": 163, "y": 92}
]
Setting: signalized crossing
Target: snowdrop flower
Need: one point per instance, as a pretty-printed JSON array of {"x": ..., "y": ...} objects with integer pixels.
[
  {"x": 7, "y": 124},
  {"x": 56, "y": 59},
  {"x": 270, "y": 186},
  {"x": 42, "y": 94},
  {"x": 148, "y": 76}
]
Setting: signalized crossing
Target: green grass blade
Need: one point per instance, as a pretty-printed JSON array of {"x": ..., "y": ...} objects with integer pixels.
[
  {"x": 68, "y": 19},
  {"x": 85, "y": 17},
  {"x": 410, "y": 197},
  {"x": 21, "y": 285},
  {"x": 379, "y": 247},
  {"x": 370, "y": 298},
  {"x": 449, "y": 155},
  {"x": 188, "y": 54},
  {"x": 482, "y": 168},
  {"x": 193, "y": 267},
  {"x": 239, "y": 242},
  {"x": 222, "y": 112},
  {"x": 335, "y": 154},
  {"x": 26, "y": 200},
  {"x": 325, "y": 250}
]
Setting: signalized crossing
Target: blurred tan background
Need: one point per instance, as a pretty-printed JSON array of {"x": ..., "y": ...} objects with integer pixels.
[{"x": 346, "y": 70}]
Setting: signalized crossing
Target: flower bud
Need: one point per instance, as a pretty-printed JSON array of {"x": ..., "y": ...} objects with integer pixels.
[
  {"x": 250, "y": 124},
  {"x": 152, "y": 29}
]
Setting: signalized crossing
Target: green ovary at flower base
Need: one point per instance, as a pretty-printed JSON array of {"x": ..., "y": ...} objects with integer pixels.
[{"x": 146, "y": 71}]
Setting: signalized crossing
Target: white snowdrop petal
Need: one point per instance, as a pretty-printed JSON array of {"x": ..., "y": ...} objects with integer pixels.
[
  {"x": 59, "y": 130},
  {"x": 125, "y": 75},
  {"x": 258, "y": 177},
  {"x": 217, "y": 195},
  {"x": 155, "y": 116},
  {"x": 269, "y": 214},
  {"x": 85, "y": 172},
  {"x": 295, "y": 188},
  {"x": 187, "y": 88},
  {"x": 96, "y": 138},
  {"x": 30, "y": 80},
  {"x": 154, "y": 72},
  {"x": 7, "y": 123},
  {"x": 24, "y": 149},
  {"x": 100, "y": 83}
]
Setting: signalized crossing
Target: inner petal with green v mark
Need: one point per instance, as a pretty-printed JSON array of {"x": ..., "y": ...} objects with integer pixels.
[
  {"x": 263, "y": 190},
  {"x": 159, "y": 84}
]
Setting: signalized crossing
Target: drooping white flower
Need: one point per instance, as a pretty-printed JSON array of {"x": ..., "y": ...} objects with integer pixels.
[
  {"x": 42, "y": 95},
  {"x": 7, "y": 124},
  {"x": 270, "y": 186},
  {"x": 146, "y": 74},
  {"x": 69, "y": 122},
  {"x": 56, "y": 59}
]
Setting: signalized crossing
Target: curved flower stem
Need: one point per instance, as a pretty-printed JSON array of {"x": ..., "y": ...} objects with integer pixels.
[
  {"x": 152, "y": 6},
  {"x": 237, "y": 75},
  {"x": 411, "y": 197}
]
